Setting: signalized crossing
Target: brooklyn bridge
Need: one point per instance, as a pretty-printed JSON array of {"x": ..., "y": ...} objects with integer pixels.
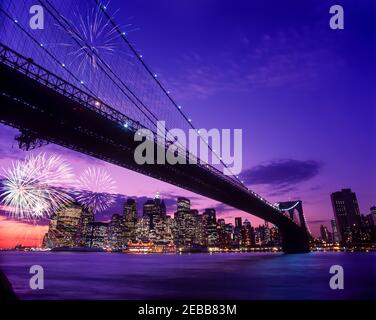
[{"x": 80, "y": 83}]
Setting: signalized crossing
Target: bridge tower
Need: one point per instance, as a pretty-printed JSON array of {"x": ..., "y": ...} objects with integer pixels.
[{"x": 290, "y": 207}]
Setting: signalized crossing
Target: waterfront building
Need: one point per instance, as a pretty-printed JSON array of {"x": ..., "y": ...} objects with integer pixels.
[
  {"x": 186, "y": 228},
  {"x": 155, "y": 231},
  {"x": 154, "y": 208},
  {"x": 99, "y": 235},
  {"x": 334, "y": 231},
  {"x": 64, "y": 228},
  {"x": 143, "y": 229},
  {"x": 116, "y": 233},
  {"x": 130, "y": 220},
  {"x": 248, "y": 236},
  {"x": 325, "y": 234},
  {"x": 210, "y": 222},
  {"x": 84, "y": 229},
  {"x": 347, "y": 215}
]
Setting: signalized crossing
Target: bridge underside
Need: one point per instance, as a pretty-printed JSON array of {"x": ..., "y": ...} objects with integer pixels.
[{"x": 40, "y": 111}]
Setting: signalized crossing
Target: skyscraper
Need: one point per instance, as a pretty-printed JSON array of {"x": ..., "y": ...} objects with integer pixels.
[
  {"x": 183, "y": 204},
  {"x": 334, "y": 231},
  {"x": 64, "y": 228},
  {"x": 372, "y": 222},
  {"x": 238, "y": 222},
  {"x": 324, "y": 233},
  {"x": 373, "y": 213},
  {"x": 130, "y": 220},
  {"x": 210, "y": 222},
  {"x": 154, "y": 208},
  {"x": 160, "y": 205},
  {"x": 237, "y": 231},
  {"x": 115, "y": 233},
  {"x": 99, "y": 235},
  {"x": 346, "y": 212},
  {"x": 248, "y": 236},
  {"x": 149, "y": 211},
  {"x": 186, "y": 224},
  {"x": 87, "y": 218}
]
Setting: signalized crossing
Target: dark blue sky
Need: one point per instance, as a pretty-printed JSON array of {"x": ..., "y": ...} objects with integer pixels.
[{"x": 300, "y": 90}]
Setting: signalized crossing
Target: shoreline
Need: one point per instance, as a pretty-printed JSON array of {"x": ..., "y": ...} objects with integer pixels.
[{"x": 370, "y": 250}]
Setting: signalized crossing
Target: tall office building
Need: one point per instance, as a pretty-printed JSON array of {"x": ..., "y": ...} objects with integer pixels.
[
  {"x": 115, "y": 233},
  {"x": 154, "y": 208},
  {"x": 210, "y": 223},
  {"x": 248, "y": 235},
  {"x": 221, "y": 226},
  {"x": 64, "y": 228},
  {"x": 325, "y": 234},
  {"x": 237, "y": 231},
  {"x": 84, "y": 233},
  {"x": 186, "y": 224},
  {"x": 372, "y": 222},
  {"x": 149, "y": 211},
  {"x": 130, "y": 220},
  {"x": 335, "y": 234},
  {"x": 372, "y": 215},
  {"x": 160, "y": 206},
  {"x": 183, "y": 204},
  {"x": 182, "y": 217},
  {"x": 143, "y": 229},
  {"x": 346, "y": 212},
  {"x": 191, "y": 227},
  {"x": 238, "y": 222},
  {"x": 200, "y": 237},
  {"x": 99, "y": 235},
  {"x": 229, "y": 238}
]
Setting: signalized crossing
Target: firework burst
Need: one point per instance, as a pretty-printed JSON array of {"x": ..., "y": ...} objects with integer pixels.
[
  {"x": 34, "y": 188},
  {"x": 96, "y": 189},
  {"x": 93, "y": 36}
]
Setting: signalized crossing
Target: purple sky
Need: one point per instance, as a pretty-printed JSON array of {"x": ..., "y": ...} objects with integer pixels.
[{"x": 303, "y": 94}]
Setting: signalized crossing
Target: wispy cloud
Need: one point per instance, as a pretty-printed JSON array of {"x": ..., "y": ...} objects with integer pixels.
[{"x": 283, "y": 175}]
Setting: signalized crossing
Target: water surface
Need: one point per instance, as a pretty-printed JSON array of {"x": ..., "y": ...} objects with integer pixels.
[{"x": 92, "y": 275}]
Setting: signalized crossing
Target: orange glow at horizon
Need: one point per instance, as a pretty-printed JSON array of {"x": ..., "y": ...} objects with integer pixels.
[{"x": 13, "y": 232}]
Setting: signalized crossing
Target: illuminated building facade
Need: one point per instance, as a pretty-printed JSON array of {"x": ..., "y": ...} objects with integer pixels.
[{"x": 347, "y": 215}]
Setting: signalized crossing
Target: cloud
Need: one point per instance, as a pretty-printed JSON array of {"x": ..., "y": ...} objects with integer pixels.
[{"x": 283, "y": 174}]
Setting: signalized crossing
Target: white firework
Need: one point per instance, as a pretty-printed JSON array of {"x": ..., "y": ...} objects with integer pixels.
[
  {"x": 96, "y": 189},
  {"x": 93, "y": 36},
  {"x": 34, "y": 188}
]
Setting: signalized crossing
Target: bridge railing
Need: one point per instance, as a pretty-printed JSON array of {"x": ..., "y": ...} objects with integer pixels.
[{"x": 28, "y": 67}]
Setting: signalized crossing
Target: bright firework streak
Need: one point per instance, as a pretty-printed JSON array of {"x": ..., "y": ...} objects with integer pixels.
[
  {"x": 95, "y": 36},
  {"x": 96, "y": 190},
  {"x": 33, "y": 188}
]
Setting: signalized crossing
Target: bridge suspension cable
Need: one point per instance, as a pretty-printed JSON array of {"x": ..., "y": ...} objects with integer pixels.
[
  {"x": 140, "y": 79},
  {"x": 152, "y": 75}
]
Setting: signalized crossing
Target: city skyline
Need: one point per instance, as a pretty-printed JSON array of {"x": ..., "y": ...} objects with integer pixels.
[
  {"x": 306, "y": 149},
  {"x": 355, "y": 226},
  {"x": 148, "y": 224}
]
